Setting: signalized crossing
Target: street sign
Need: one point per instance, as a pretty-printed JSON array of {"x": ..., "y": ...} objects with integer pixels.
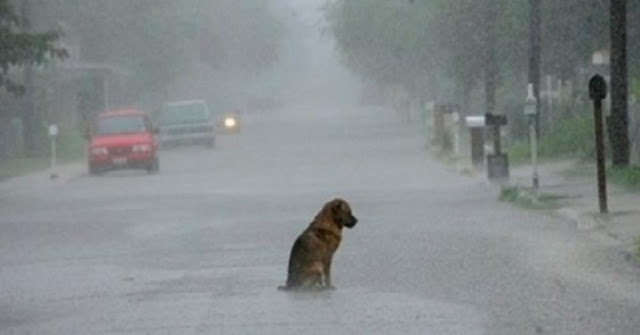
[{"x": 53, "y": 130}]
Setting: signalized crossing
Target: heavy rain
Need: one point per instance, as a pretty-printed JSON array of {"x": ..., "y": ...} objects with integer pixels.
[{"x": 199, "y": 166}]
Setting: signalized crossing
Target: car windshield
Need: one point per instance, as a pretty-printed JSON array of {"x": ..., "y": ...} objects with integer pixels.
[
  {"x": 120, "y": 125},
  {"x": 183, "y": 113}
]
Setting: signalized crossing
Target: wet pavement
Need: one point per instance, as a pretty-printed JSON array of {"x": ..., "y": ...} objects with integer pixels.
[
  {"x": 575, "y": 185},
  {"x": 200, "y": 247}
]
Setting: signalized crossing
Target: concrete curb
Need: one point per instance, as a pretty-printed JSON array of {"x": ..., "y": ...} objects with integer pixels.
[
  {"x": 68, "y": 172},
  {"x": 62, "y": 174},
  {"x": 582, "y": 220}
]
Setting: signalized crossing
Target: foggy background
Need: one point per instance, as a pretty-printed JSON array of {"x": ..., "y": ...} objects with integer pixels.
[{"x": 247, "y": 55}]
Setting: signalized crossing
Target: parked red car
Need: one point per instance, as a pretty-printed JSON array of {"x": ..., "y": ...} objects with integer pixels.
[{"x": 122, "y": 139}]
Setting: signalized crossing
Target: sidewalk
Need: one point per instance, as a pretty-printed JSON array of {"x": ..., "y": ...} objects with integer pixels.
[
  {"x": 61, "y": 175},
  {"x": 579, "y": 202}
]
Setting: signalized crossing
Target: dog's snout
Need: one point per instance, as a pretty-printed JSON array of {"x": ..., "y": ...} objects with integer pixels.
[{"x": 352, "y": 221}]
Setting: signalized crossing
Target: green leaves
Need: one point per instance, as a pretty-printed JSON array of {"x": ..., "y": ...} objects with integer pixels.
[
  {"x": 157, "y": 41},
  {"x": 415, "y": 43},
  {"x": 19, "y": 48},
  {"x": 384, "y": 41},
  {"x": 404, "y": 41}
]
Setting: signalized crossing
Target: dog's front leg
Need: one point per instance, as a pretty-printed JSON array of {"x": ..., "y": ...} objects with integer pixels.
[{"x": 327, "y": 274}]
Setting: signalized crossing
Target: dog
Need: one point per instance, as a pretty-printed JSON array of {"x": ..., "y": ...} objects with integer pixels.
[{"x": 312, "y": 252}]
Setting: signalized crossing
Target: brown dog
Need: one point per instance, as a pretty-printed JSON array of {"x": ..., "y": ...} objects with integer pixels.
[{"x": 312, "y": 252}]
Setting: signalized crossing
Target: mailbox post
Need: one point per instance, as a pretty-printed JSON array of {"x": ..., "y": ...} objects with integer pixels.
[
  {"x": 597, "y": 93},
  {"x": 476, "y": 129},
  {"x": 498, "y": 162}
]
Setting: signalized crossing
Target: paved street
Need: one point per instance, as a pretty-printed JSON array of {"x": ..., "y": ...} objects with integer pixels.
[{"x": 200, "y": 247}]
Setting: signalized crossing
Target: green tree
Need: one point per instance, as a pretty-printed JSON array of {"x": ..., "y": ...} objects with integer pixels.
[
  {"x": 416, "y": 43},
  {"x": 386, "y": 42},
  {"x": 157, "y": 40},
  {"x": 571, "y": 31},
  {"x": 18, "y": 47}
]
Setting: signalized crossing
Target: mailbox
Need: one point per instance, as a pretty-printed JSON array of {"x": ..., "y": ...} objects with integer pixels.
[
  {"x": 495, "y": 119},
  {"x": 476, "y": 126}
]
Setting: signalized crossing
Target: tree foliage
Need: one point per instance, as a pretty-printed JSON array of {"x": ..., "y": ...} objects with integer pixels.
[
  {"x": 384, "y": 41},
  {"x": 158, "y": 39},
  {"x": 409, "y": 41},
  {"x": 19, "y": 47}
]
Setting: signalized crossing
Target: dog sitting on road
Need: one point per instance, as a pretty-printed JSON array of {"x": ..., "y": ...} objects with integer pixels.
[{"x": 312, "y": 252}]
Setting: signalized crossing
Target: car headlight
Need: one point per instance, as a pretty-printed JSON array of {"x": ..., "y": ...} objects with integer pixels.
[
  {"x": 141, "y": 148},
  {"x": 230, "y": 122},
  {"x": 99, "y": 151}
]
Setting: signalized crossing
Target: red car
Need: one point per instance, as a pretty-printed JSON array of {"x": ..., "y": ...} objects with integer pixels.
[{"x": 122, "y": 139}]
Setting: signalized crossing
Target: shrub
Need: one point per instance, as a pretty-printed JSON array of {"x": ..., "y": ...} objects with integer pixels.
[
  {"x": 70, "y": 145},
  {"x": 570, "y": 137},
  {"x": 626, "y": 176}
]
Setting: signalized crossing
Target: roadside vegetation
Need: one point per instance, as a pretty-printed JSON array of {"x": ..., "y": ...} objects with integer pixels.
[
  {"x": 529, "y": 199},
  {"x": 571, "y": 137},
  {"x": 69, "y": 148},
  {"x": 629, "y": 177}
]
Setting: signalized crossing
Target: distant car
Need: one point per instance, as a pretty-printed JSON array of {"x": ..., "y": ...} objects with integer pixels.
[
  {"x": 122, "y": 139},
  {"x": 186, "y": 122}
]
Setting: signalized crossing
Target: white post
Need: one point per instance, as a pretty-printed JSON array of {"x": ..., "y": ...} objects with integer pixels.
[
  {"x": 534, "y": 153},
  {"x": 530, "y": 111},
  {"x": 53, "y": 133},
  {"x": 549, "y": 98}
]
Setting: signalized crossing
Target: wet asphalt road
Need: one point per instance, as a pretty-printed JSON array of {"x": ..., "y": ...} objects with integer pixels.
[{"x": 201, "y": 247}]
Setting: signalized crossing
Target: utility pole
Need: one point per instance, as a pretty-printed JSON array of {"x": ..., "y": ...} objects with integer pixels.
[
  {"x": 618, "y": 122},
  {"x": 491, "y": 67},
  {"x": 28, "y": 114},
  {"x": 535, "y": 50},
  {"x": 498, "y": 162}
]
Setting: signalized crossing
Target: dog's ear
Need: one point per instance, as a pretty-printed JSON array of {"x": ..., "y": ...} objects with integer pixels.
[
  {"x": 340, "y": 207},
  {"x": 344, "y": 207},
  {"x": 336, "y": 205}
]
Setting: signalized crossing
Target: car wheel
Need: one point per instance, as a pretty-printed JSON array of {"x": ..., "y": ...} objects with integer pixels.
[
  {"x": 94, "y": 170},
  {"x": 211, "y": 143},
  {"x": 154, "y": 166}
]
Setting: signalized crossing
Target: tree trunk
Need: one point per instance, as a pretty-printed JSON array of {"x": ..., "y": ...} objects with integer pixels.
[
  {"x": 28, "y": 112},
  {"x": 491, "y": 67},
  {"x": 618, "y": 122},
  {"x": 535, "y": 50}
]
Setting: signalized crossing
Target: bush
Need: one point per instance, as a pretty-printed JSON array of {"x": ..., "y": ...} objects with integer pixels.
[
  {"x": 530, "y": 199},
  {"x": 69, "y": 148},
  {"x": 70, "y": 145},
  {"x": 626, "y": 176},
  {"x": 572, "y": 137},
  {"x": 569, "y": 137}
]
